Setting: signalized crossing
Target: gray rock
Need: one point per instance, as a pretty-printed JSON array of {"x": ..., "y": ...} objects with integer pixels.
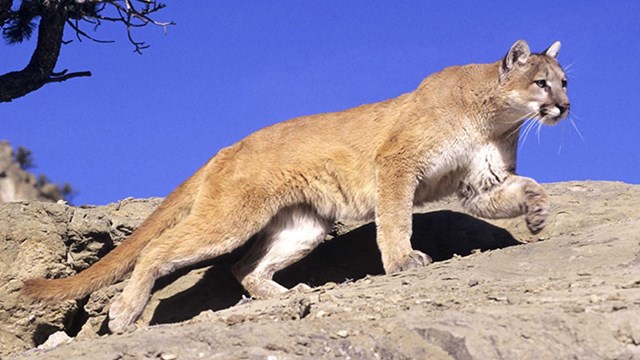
[
  {"x": 54, "y": 240},
  {"x": 495, "y": 291},
  {"x": 17, "y": 184}
]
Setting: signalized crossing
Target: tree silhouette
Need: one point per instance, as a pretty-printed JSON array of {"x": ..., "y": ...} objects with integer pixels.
[
  {"x": 24, "y": 158},
  {"x": 19, "y": 24}
]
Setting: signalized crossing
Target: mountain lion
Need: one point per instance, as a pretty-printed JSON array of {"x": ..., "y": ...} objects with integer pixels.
[{"x": 456, "y": 133}]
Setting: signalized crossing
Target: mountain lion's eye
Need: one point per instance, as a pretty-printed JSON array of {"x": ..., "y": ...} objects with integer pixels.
[
  {"x": 541, "y": 83},
  {"x": 564, "y": 83}
]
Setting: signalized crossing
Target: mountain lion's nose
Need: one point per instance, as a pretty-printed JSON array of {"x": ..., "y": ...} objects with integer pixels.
[{"x": 563, "y": 107}]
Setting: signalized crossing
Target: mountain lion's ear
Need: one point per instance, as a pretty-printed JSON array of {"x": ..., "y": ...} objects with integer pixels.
[
  {"x": 553, "y": 50},
  {"x": 519, "y": 53}
]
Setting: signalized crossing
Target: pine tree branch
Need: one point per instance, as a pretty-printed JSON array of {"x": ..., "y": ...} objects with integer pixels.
[
  {"x": 63, "y": 76},
  {"x": 80, "y": 33},
  {"x": 54, "y": 14},
  {"x": 38, "y": 72},
  {"x": 5, "y": 10}
]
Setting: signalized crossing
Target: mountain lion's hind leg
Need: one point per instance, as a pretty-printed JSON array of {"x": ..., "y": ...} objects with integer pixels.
[
  {"x": 292, "y": 234},
  {"x": 190, "y": 241}
]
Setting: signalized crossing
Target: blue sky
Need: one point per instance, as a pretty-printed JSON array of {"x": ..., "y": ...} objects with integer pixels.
[{"x": 142, "y": 124}]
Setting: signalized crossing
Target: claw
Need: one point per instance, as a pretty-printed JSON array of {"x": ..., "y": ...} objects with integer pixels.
[
  {"x": 412, "y": 260},
  {"x": 538, "y": 210}
]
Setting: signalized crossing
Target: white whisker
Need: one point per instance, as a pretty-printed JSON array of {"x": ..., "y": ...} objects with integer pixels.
[
  {"x": 522, "y": 121},
  {"x": 530, "y": 124},
  {"x": 573, "y": 113},
  {"x": 515, "y": 131},
  {"x": 562, "y": 133},
  {"x": 575, "y": 126},
  {"x": 539, "y": 128},
  {"x": 576, "y": 129},
  {"x": 526, "y": 116},
  {"x": 568, "y": 70},
  {"x": 569, "y": 66}
]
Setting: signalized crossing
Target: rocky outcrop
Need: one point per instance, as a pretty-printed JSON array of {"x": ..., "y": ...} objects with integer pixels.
[
  {"x": 17, "y": 184},
  {"x": 54, "y": 240},
  {"x": 495, "y": 291}
]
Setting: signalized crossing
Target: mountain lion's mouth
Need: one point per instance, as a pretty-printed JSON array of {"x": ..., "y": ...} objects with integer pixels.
[{"x": 552, "y": 115}]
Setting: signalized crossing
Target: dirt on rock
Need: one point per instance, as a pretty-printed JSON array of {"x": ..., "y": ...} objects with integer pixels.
[{"x": 494, "y": 291}]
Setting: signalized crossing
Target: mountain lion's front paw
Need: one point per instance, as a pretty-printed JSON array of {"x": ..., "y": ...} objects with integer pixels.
[
  {"x": 537, "y": 204},
  {"x": 300, "y": 288},
  {"x": 412, "y": 260}
]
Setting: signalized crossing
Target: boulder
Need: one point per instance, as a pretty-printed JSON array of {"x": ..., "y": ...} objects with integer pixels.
[{"x": 494, "y": 290}]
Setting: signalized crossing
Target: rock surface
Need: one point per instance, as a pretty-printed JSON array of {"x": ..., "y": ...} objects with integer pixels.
[
  {"x": 495, "y": 291},
  {"x": 17, "y": 184}
]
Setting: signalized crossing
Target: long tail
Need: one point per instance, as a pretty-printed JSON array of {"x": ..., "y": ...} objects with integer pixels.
[{"x": 120, "y": 261}]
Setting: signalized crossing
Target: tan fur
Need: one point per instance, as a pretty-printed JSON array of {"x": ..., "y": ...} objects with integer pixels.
[{"x": 456, "y": 134}]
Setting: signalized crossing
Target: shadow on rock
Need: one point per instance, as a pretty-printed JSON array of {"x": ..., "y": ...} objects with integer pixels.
[
  {"x": 350, "y": 256},
  {"x": 217, "y": 289},
  {"x": 354, "y": 255}
]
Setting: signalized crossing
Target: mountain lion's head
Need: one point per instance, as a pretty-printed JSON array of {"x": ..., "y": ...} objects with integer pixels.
[{"x": 535, "y": 84}]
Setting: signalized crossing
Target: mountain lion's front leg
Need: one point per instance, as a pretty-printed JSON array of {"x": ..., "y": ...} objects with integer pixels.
[
  {"x": 515, "y": 196},
  {"x": 395, "y": 192}
]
